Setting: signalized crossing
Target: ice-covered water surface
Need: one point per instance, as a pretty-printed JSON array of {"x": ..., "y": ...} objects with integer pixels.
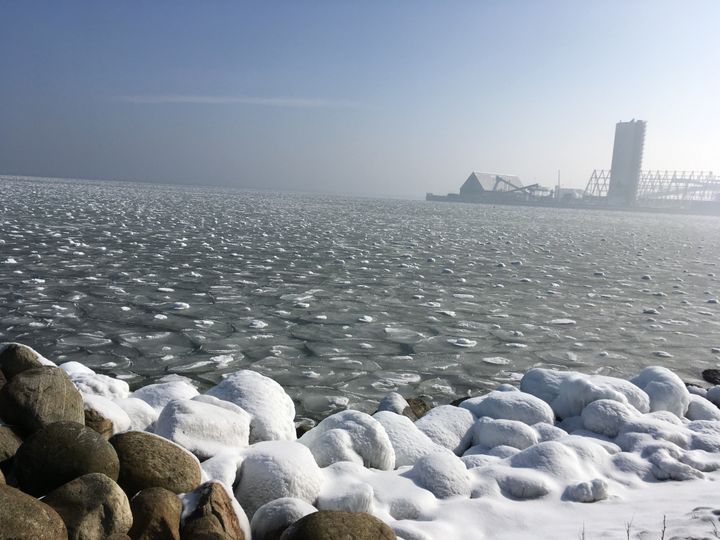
[{"x": 342, "y": 300}]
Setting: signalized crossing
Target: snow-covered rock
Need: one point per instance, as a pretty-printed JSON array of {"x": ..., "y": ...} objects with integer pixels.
[
  {"x": 110, "y": 410},
  {"x": 272, "y": 518},
  {"x": 700, "y": 408},
  {"x": 408, "y": 442},
  {"x": 160, "y": 394},
  {"x": 666, "y": 390},
  {"x": 448, "y": 426},
  {"x": 490, "y": 432},
  {"x": 274, "y": 469},
  {"x": 444, "y": 475},
  {"x": 89, "y": 382},
  {"x": 606, "y": 416},
  {"x": 393, "y": 402},
  {"x": 351, "y": 436},
  {"x": 587, "y": 492},
  {"x": 518, "y": 406},
  {"x": 142, "y": 415},
  {"x": 203, "y": 428},
  {"x": 272, "y": 410}
]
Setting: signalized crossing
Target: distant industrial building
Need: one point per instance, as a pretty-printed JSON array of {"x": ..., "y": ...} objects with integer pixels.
[{"x": 479, "y": 183}]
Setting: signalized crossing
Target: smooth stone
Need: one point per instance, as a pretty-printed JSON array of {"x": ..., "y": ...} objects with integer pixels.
[
  {"x": 147, "y": 460},
  {"x": 38, "y": 397},
  {"x": 16, "y": 358},
  {"x": 214, "y": 516},
  {"x": 156, "y": 515},
  {"x": 62, "y": 452},
  {"x": 92, "y": 506},
  {"x": 2, "y": 478},
  {"x": 25, "y": 518},
  {"x": 9, "y": 444},
  {"x": 712, "y": 376},
  {"x": 418, "y": 408},
  {"x": 333, "y": 525}
]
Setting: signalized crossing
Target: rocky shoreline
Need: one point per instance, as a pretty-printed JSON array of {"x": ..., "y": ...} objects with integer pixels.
[{"x": 82, "y": 457}]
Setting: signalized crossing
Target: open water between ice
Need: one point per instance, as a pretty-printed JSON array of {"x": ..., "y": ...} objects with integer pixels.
[{"x": 342, "y": 300}]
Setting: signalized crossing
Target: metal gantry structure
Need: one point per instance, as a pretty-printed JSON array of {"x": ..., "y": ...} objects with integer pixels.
[{"x": 663, "y": 185}]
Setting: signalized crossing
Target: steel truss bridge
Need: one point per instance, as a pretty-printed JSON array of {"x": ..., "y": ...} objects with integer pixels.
[{"x": 663, "y": 185}]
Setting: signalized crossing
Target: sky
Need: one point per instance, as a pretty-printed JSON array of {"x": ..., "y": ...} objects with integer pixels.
[{"x": 378, "y": 98}]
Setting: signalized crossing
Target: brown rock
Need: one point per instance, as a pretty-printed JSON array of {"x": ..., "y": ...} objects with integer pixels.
[
  {"x": 9, "y": 443},
  {"x": 97, "y": 422},
  {"x": 418, "y": 407},
  {"x": 214, "y": 517},
  {"x": 60, "y": 453},
  {"x": 25, "y": 518},
  {"x": 2, "y": 478},
  {"x": 92, "y": 506},
  {"x": 147, "y": 460},
  {"x": 38, "y": 397},
  {"x": 333, "y": 525},
  {"x": 156, "y": 515},
  {"x": 118, "y": 536},
  {"x": 16, "y": 358}
]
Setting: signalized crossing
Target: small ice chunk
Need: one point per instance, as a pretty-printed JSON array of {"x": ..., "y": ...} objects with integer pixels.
[
  {"x": 444, "y": 475},
  {"x": 257, "y": 324},
  {"x": 510, "y": 406}
]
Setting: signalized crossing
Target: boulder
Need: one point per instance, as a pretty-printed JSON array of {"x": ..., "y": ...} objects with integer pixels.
[
  {"x": 16, "y": 358},
  {"x": 2, "y": 478},
  {"x": 271, "y": 519},
  {"x": 156, "y": 515},
  {"x": 418, "y": 408},
  {"x": 711, "y": 375},
  {"x": 332, "y": 525},
  {"x": 214, "y": 516},
  {"x": 147, "y": 460},
  {"x": 92, "y": 506},
  {"x": 9, "y": 444},
  {"x": 38, "y": 397},
  {"x": 98, "y": 423},
  {"x": 25, "y": 518},
  {"x": 60, "y": 453}
]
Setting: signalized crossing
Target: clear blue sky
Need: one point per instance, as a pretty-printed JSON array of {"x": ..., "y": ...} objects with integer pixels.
[{"x": 369, "y": 97}]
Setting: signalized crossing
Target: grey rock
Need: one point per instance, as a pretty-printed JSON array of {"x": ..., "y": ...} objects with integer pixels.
[
  {"x": 147, "y": 460},
  {"x": 38, "y": 397},
  {"x": 25, "y": 518},
  {"x": 60, "y": 453},
  {"x": 156, "y": 515},
  {"x": 16, "y": 358},
  {"x": 92, "y": 506}
]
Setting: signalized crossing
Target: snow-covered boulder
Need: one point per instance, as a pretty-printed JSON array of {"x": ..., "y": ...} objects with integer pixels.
[
  {"x": 407, "y": 440},
  {"x": 569, "y": 392},
  {"x": 393, "y": 402},
  {"x": 490, "y": 432},
  {"x": 552, "y": 458},
  {"x": 347, "y": 497},
  {"x": 666, "y": 390},
  {"x": 160, "y": 394},
  {"x": 700, "y": 408},
  {"x": 448, "y": 426},
  {"x": 203, "y": 428},
  {"x": 142, "y": 415},
  {"x": 222, "y": 468},
  {"x": 110, "y": 410},
  {"x": 606, "y": 416},
  {"x": 89, "y": 382},
  {"x": 587, "y": 492},
  {"x": 444, "y": 475},
  {"x": 272, "y": 410},
  {"x": 518, "y": 406},
  {"x": 350, "y": 436},
  {"x": 522, "y": 484},
  {"x": 274, "y": 469},
  {"x": 271, "y": 519}
]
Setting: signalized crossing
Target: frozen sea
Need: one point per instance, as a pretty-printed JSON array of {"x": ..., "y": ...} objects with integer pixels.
[{"x": 342, "y": 300}]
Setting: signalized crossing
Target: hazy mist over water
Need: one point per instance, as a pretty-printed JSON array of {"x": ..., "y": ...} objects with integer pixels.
[{"x": 342, "y": 300}]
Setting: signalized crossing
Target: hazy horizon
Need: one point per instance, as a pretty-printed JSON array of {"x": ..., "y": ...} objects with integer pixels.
[{"x": 376, "y": 99}]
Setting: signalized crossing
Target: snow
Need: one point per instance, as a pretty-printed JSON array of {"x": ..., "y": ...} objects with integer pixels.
[
  {"x": 160, "y": 394},
  {"x": 350, "y": 436},
  {"x": 510, "y": 406},
  {"x": 274, "y": 469},
  {"x": 565, "y": 455},
  {"x": 203, "y": 428},
  {"x": 275, "y": 516},
  {"x": 448, "y": 426},
  {"x": 271, "y": 409}
]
